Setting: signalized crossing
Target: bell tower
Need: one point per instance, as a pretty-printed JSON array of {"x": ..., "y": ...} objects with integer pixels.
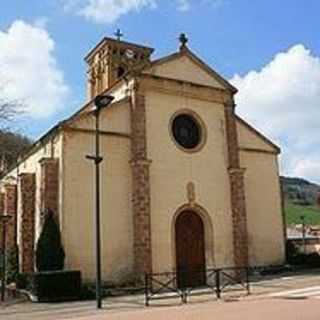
[{"x": 110, "y": 60}]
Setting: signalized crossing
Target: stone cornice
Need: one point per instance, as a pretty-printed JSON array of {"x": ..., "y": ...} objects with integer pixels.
[
  {"x": 102, "y": 132},
  {"x": 255, "y": 150}
]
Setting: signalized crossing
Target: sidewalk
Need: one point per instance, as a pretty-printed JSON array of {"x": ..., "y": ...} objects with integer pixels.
[{"x": 118, "y": 307}]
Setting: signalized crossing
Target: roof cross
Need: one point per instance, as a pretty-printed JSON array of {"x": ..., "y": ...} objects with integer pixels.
[
  {"x": 118, "y": 34},
  {"x": 183, "y": 40}
]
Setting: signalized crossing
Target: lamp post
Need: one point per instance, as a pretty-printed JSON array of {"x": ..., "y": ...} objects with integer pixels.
[
  {"x": 4, "y": 219},
  {"x": 101, "y": 101}
]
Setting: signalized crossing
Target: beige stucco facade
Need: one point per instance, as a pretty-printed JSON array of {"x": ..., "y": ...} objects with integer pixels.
[
  {"x": 176, "y": 180},
  {"x": 116, "y": 220},
  {"x": 171, "y": 171}
]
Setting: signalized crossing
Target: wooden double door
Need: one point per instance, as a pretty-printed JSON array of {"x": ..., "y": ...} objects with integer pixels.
[{"x": 190, "y": 250}]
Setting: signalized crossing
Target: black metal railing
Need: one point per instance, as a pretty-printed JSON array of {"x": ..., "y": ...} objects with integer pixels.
[{"x": 183, "y": 284}]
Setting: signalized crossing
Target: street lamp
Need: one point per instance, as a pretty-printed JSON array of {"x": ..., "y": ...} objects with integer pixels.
[
  {"x": 101, "y": 101},
  {"x": 4, "y": 219}
]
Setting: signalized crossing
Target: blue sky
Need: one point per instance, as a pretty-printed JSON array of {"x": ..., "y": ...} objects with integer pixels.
[{"x": 269, "y": 49}]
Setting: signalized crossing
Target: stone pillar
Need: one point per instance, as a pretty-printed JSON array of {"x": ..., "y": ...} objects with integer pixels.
[
  {"x": 10, "y": 208},
  {"x": 27, "y": 221},
  {"x": 49, "y": 187},
  {"x": 237, "y": 190},
  {"x": 140, "y": 187},
  {"x": 1, "y": 213}
]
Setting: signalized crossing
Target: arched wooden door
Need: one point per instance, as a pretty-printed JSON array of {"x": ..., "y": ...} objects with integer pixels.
[{"x": 190, "y": 250}]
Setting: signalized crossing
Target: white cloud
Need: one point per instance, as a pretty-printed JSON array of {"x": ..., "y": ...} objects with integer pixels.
[
  {"x": 183, "y": 5},
  {"x": 29, "y": 71},
  {"x": 283, "y": 100},
  {"x": 109, "y": 11}
]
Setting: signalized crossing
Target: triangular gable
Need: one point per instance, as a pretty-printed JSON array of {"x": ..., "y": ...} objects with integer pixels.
[
  {"x": 186, "y": 66},
  {"x": 250, "y": 138}
]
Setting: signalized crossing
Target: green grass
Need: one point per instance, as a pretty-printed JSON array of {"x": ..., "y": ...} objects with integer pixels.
[{"x": 294, "y": 212}]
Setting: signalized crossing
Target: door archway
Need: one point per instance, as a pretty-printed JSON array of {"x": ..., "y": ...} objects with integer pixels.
[{"x": 190, "y": 250}]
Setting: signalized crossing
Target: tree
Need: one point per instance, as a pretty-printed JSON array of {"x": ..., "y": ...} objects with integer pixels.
[
  {"x": 11, "y": 146},
  {"x": 10, "y": 109},
  {"x": 49, "y": 251},
  {"x": 318, "y": 199}
]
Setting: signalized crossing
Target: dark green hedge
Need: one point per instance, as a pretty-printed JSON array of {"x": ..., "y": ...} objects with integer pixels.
[
  {"x": 55, "y": 285},
  {"x": 296, "y": 258}
]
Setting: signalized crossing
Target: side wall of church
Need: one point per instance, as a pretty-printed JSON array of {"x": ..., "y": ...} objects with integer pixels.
[
  {"x": 263, "y": 198},
  {"x": 171, "y": 170},
  {"x": 27, "y": 178},
  {"x": 79, "y": 202},
  {"x": 49, "y": 149},
  {"x": 264, "y": 215}
]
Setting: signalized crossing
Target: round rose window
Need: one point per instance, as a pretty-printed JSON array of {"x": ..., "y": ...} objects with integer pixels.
[{"x": 186, "y": 131}]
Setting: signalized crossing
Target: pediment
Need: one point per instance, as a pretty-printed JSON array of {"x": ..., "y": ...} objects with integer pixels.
[{"x": 186, "y": 66}]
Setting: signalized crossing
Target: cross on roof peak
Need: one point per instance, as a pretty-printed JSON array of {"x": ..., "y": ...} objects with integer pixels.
[
  {"x": 118, "y": 34},
  {"x": 183, "y": 40}
]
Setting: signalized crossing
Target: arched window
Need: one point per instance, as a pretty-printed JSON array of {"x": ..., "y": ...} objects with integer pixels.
[{"x": 121, "y": 71}]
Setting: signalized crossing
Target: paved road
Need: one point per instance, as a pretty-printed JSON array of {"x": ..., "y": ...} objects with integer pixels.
[{"x": 245, "y": 310}]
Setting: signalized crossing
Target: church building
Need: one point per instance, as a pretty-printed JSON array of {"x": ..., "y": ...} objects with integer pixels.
[{"x": 185, "y": 182}]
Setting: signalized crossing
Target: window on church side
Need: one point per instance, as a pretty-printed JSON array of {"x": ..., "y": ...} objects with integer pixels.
[
  {"x": 121, "y": 71},
  {"x": 187, "y": 131}
]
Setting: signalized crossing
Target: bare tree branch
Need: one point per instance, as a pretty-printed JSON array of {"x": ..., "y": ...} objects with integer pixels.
[{"x": 9, "y": 110}]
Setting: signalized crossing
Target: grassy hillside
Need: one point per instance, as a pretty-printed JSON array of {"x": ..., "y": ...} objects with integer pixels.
[{"x": 294, "y": 212}]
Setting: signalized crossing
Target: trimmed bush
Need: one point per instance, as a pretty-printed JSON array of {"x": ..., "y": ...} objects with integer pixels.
[
  {"x": 294, "y": 257},
  {"x": 22, "y": 281},
  {"x": 55, "y": 286},
  {"x": 49, "y": 252},
  {"x": 313, "y": 260}
]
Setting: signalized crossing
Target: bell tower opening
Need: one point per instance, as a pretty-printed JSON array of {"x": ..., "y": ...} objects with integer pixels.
[
  {"x": 110, "y": 60},
  {"x": 121, "y": 71}
]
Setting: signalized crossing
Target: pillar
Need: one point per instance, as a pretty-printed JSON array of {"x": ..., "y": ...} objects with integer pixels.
[
  {"x": 237, "y": 191},
  {"x": 140, "y": 187},
  {"x": 10, "y": 208},
  {"x": 1, "y": 213},
  {"x": 26, "y": 221},
  {"x": 49, "y": 194}
]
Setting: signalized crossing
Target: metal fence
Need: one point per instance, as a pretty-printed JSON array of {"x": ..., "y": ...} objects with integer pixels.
[{"x": 183, "y": 284}]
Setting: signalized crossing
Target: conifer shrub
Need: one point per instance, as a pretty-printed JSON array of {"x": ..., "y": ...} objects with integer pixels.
[{"x": 49, "y": 251}]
